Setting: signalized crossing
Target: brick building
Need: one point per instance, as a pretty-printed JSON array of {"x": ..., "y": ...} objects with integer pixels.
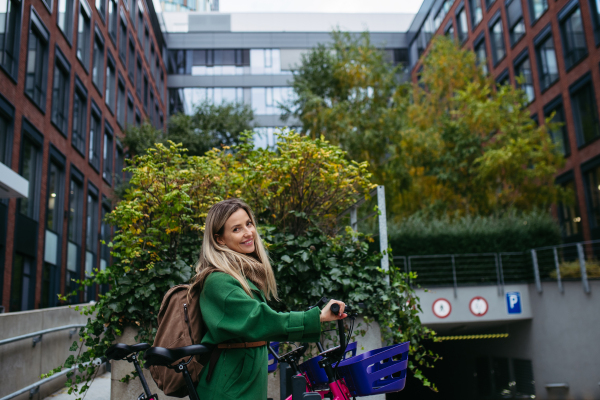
[
  {"x": 73, "y": 75},
  {"x": 553, "y": 44}
]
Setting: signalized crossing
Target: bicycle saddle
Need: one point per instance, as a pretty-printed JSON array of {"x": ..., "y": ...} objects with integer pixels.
[
  {"x": 164, "y": 357},
  {"x": 121, "y": 350}
]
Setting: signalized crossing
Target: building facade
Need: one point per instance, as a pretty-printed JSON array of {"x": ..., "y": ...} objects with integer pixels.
[
  {"x": 73, "y": 75},
  {"x": 249, "y": 57},
  {"x": 553, "y": 45}
]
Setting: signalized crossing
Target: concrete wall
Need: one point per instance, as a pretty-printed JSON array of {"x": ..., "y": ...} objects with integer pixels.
[{"x": 20, "y": 363}]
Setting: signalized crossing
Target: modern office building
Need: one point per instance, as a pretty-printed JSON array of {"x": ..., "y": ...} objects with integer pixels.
[
  {"x": 73, "y": 75},
  {"x": 249, "y": 57},
  {"x": 554, "y": 46}
]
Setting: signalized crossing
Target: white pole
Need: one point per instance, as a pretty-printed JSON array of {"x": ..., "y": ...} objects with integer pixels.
[{"x": 383, "y": 239}]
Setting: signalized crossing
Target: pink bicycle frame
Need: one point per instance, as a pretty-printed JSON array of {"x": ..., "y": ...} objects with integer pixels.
[{"x": 338, "y": 389}]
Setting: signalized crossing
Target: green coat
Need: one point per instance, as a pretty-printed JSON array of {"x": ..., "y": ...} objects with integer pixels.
[{"x": 231, "y": 316}]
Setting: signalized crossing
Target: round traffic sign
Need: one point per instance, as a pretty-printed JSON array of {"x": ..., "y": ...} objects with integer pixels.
[
  {"x": 441, "y": 308},
  {"x": 478, "y": 306}
]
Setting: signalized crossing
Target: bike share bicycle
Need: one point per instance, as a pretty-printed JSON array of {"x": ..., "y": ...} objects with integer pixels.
[{"x": 378, "y": 371}]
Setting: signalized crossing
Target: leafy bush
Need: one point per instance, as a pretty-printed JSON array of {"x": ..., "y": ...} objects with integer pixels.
[
  {"x": 417, "y": 235},
  {"x": 296, "y": 191},
  {"x": 572, "y": 269}
]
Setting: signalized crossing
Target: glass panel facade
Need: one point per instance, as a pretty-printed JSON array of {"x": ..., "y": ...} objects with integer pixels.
[
  {"x": 37, "y": 60},
  {"x": 78, "y": 135},
  {"x": 95, "y": 137},
  {"x": 98, "y": 68},
  {"x": 585, "y": 114},
  {"x": 10, "y": 32},
  {"x": 30, "y": 170},
  {"x": 546, "y": 57},
  {"x": 497, "y": 40},
  {"x": 65, "y": 17},
  {"x": 573, "y": 38},
  {"x": 60, "y": 96},
  {"x": 525, "y": 83},
  {"x": 83, "y": 37}
]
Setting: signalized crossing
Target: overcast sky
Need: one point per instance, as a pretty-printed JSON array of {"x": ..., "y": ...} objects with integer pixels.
[{"x": 333, "y": 6}]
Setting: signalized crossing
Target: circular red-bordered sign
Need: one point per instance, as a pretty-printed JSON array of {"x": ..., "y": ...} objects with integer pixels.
[
  {"x": 441, "y": 308},
  {"x": 478, "y": 306}
]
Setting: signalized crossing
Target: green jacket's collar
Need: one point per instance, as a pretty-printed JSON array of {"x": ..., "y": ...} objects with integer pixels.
[{"x": 257, "y": 290}]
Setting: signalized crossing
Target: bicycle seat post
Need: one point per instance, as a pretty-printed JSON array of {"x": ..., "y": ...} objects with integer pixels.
[
  {"x": 188, "y": 381},
  {"x": 133, "y": 359}
]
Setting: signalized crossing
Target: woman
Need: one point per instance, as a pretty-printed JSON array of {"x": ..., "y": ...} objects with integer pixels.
[{"x": 236, "y": 280}]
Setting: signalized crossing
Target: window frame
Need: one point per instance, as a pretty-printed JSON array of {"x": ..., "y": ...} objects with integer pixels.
[
  {"x": 582, "y": 83},
  {"x": 479, "y": 41},
  {"x": 13, "y": 71},
  {"x": 595, "y": 16},
  {"x": 67, "y": 35},
  {"x": 494, "y": 21},
  {"x": 125, "y": 37},
  {"x": 517, "y": 62},
  {"x": 35, "y": 23},
  {"x": 108, "y": 97},
  {"x": 563, "y": 16},
  {"x": 36, "y": 138},
  {"x": 532, "y": 17},
  {"x": 95, "y": 143},
  {"x": 84, "y": 8},
  {"x": 80, "y": 89},
  {"x": 551, "y": 107},
  {"x": 121, "y": 108},
  {"x": 513, "y": 42},
  {"x": 7, "y": 112},
  {"x": 98, "y": 37},
  {"x": 131, "y": 60},
  {"x": 108, "y": 134},
  {"x": 472, "y": 15},
  {"x": 540, "y": 39},
  {"x": 563, "y": 180},
  {"x": 461, "y": 9},
  {"x": 61, "y": 62}
]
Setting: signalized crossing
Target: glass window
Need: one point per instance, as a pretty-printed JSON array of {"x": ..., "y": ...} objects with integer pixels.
[
  {"x": 140, "y": 26},
  {"x": 54, "y": 198},
  {"x": 461, "y": 25},
  {"x": 569, "y": 215},
  {"x": 121, "y": 103},
  {"x": 481, "y": 55},
  {"x": 145, "y": 92},
  {"x": 108, "y": 155},
  {"x": 101, "y": 7},
  {"x": 546, "y": 58},
  {"x": 585, "y": 112},
  {"x": 559, "y": 133},
  {"x": 10, "y": 35},
  {"x": 525, "y": 81},
  {"x": 573, "y": 38},
  {"x": 79, "y": 120},
  {"x": 595, "y": 10},
  {"x": 52, "y": 241},
  {"x": 119, "y": 163},
  {"x": 132, "y": 12},
  {"x": 113, "y": 20},
  {"x": 60, "y": 94},
  {"x": 592, "y": 184},
  {"x": 186, "y": 99},
  {"x": 30, "y": 170},
  {"x": 176, "y": 62},
  {"x": 75, "y": 229},
  {"x": 22, "y": 285},
  {"x": 138, "y": 73},
  {"x": 497, "y": 40},
  {"x": 37, "y": 66},
  {"x": 138, "y": 117},
  {"x": 131, "y": 64},
  {"x": 66, "y": 9},
  {"x": 5, "y": 138},
  {"x": 111, "y": 84},
  {"x": 83, "y": 36},
  {"x": 146, "y": 43},
  {"x": 476, "y": 12},
  {"x": 516, "y": 24},
  {"x": 105, "y": 236},
  {"x": 151, "y": 61},
  {"x": 123, "y": 40},
  {"x": 91, "y": 240},
  {"x": 265, "y": 101},
  {"x": 450, "y": 30},
  {"x": 488, "y": 3},
  {"x": 95, "y": 136},
  {"x": 98, "y": 68},
  {"x": 130, "y": 114},
  {"x": 537, "y": 8},
  {"x": 150, "y": 109}
]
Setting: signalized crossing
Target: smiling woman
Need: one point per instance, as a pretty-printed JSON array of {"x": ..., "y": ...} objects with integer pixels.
[{"x": 238, "y": 233}]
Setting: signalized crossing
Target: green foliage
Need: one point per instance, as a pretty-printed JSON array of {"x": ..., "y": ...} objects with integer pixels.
[
  {"x": 159, "y": 227},
  {"x": 418, "y": 235},
  {"x": 474, "y": 149},
  {"x": 210, "y": 126},
  {"x": 350, "y": 93}
]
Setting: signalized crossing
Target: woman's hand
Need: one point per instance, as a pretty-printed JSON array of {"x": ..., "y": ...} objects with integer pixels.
[{"x": 327, "y": 315}]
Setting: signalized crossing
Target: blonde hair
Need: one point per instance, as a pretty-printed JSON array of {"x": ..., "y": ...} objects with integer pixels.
[{"x": 216, "y": 257}]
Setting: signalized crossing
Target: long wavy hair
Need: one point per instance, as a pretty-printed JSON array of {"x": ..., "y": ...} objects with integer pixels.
[{"x": 216, "y": 257}]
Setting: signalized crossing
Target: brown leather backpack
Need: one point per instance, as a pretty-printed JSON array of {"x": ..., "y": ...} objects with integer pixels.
[{"x": 179, "y": 324}]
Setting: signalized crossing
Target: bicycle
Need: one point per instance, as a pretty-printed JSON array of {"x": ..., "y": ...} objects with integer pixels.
[{"x": 121, "y": 351}]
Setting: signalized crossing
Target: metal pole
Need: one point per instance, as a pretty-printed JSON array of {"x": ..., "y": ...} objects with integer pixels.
[
  {"x": 354, "y": 220},
  {"x": 584, "y": 279},
  {"x": 557, "y": 265},
  {"x": 536, "y": 271},
  {"x": 500, "y": 289},
  {"x": 499, "y": 257},
  {"x": 383, "y": 239},
  {"x": 454, "y": 277}
]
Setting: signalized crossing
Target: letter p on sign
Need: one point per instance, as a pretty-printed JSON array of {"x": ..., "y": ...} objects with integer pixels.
[{"x": 513, "y": 302}]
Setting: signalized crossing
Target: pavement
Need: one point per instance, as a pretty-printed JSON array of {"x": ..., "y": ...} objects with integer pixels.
[{"x": 99, "y": 390}]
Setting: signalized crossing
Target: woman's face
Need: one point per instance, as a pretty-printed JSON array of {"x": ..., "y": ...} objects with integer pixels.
[{"x": 239, "y": 233}]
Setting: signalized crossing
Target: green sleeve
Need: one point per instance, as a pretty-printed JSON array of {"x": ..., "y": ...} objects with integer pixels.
[{"x": 250, "y": 320}]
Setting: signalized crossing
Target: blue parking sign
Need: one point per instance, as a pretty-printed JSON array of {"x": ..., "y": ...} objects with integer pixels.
[{"x": 513, "y": 302}]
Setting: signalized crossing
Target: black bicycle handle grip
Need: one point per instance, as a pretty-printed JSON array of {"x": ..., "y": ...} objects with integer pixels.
[{"x": 335, "y": 308}]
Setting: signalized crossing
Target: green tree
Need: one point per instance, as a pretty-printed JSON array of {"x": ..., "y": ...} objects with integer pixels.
[
  {"x": 474, "y": 147},
  {"x": 350, "y": 93},
  {"x": 210, "y": 126}
]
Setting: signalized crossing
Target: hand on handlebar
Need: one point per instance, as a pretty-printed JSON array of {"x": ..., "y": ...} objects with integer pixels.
[{"x": 328, "y": 315}]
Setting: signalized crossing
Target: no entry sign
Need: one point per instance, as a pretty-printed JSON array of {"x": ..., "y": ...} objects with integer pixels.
[{"x": 441, "y": 308}]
